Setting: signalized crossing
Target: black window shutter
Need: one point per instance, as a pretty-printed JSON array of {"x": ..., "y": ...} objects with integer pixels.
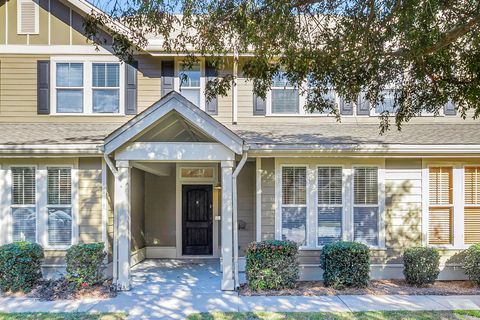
[
  {"x": 131, "y": 87},
  {"x": 259, "y": 106},
  {"x": 168, "y": 73},
  {"x": 346, "y": 108},
  {"x": 211, "y": 107},
  {"x": 43, "y": 87},
  {"x": 363, "y": 106},
  {"x": 449, "y": 109}
]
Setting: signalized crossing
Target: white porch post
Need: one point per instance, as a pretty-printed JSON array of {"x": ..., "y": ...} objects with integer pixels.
[
  {"x": 227, "y": 226},
  {"x": 122, "y": 210}
]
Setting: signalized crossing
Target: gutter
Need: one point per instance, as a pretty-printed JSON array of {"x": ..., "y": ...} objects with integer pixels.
[
  {"x": 235, "y": 214},
  {"x": 52, "y": 148}
]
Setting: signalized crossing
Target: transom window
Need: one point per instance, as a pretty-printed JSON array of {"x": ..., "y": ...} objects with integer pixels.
[
  {"x": 190, "y": 85},
  {"x": 85, "y": 87},
  {"x": 294, "y": 204}
]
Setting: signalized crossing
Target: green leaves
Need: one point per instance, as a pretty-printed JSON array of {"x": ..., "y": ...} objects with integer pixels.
[
  {"x": 345, "y": 264},
  {"x": 272, "y": 265},
  {"x": 421, "y": 265},
  {"x": 84, "y": 262},
  {"x": 472, "y": 263},
  {"x": 20, "y": 266}
]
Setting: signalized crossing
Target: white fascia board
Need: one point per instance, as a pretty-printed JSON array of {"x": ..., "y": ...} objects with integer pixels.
[
  {"x": 365, "y": 148},
  {"x": 51, "y": 148}
]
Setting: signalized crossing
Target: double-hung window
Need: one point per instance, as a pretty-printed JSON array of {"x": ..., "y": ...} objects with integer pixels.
[
  {"x": 284, "y": 96},
  {"x": 294, "y": 204},
  {"x": 366, "y": 205},
  {"x": 190, "y": 85},
  {"x": 329, "y": 205},
  {"x": 472, "y": 205},
  {"x": 388, "y": 103},
  {"x": 59, "y": 206},
  {"x": 105, "y": 88},
  {"x": 23, "y": 204},
  {"x": 440, "y": 209},
  {"x": 69, "y": 87}
]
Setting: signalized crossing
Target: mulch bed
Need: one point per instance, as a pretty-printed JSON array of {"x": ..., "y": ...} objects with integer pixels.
[
  {"x": 376, "y": 287},
  {"x": 61, "y": 289}
]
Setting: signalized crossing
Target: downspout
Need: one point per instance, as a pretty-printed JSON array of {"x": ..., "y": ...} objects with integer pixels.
[{"x": 235, "y": 214}]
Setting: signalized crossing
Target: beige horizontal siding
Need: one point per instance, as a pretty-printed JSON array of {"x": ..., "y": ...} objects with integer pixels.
[
  {"x": 268, "y": 199},
  {"x": 246, "y": 205}
]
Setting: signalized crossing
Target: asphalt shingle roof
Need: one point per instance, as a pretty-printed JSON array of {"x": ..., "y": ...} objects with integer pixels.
[{"x": 262, "y": 134}]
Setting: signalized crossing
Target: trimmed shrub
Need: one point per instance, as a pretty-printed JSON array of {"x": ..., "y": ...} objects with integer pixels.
[
  {"x": 345, "y": 264},
  {"x": 272, "y": 265},
  {"x": 472, "y": 263},
  {"x": 421, "y": 265},
  {"x": 20, "y": 266},
  {"x": 84, "y": 263}
]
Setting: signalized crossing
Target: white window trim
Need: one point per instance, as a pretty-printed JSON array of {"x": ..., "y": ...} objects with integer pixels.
[
  {"x": 380, "y": 203},
  {"x": 176, "y": 81},
  {"x": 9, "y": 204},
  {"x": 458, "y": 185},
  {"x": 87, "y": 61},
  {"x": 74, "y": 196},
  {"x": 37, "y": 17},
  {"x": 347, "y": 218},
  {"x": 41, "y": 202},
  {"x": 343, "y": 205}
]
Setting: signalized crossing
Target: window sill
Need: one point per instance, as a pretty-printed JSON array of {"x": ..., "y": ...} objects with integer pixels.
[
  {"x": 87, "y": 115},
  {"x": 56, "y": 248}
]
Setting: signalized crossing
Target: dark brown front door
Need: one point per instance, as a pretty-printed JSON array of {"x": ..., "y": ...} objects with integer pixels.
[{"x": 197, "y": 220}]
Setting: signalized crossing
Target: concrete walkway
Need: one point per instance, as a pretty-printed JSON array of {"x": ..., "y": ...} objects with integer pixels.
[{"x": 175, "y": 289}]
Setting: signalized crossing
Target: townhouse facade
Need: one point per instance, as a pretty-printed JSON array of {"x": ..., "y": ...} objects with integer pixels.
[{"x": 133, "y": 155}]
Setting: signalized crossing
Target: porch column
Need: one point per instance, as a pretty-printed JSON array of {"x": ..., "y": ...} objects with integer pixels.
[
  {"x": 122, "y": 210},
  {"x": 227, "y": 226}
]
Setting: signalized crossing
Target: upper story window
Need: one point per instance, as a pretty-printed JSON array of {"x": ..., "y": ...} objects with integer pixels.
[
  {"x": 284, "y": 96},
  {"x": 190, "y": 84},
  {"x": 84, "y": 87},
  {"x": 27, "y": 17},
  {"x": 388, "y": 102}
]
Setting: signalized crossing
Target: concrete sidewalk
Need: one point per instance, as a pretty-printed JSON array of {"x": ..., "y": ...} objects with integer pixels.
[{"x": 181, "y": 304}]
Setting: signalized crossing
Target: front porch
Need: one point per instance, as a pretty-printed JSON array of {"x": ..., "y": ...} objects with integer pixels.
[{"x": 173, "y": 187}]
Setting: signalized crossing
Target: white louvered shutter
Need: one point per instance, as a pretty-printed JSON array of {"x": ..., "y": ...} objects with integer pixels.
[
  {"x": 59, "y": 200},
  {"x": 329, "y": 206},
  {"x": 365, "y": 205},
  {"x": 27, "y": 17},
  {"x": 23, "y": 207},
  {"x": 472, "y": 205},
  {"x": 440, "y": 213},
  {"x": 294, "y": 204}
]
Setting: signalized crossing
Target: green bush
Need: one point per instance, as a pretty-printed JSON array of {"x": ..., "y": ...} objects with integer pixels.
[
  {"x": 20, "y": 266},
  {"x": 84, "y": 263},
  {"x": 421, "y": 265},
  {"x": 472, "y": 263},
  {"x": 345, "y": 264},
  {"x": 272, "y": 265}
]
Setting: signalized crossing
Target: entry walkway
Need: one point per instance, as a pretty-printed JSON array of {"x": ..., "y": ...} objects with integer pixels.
[{"x": 171, "y": 289}]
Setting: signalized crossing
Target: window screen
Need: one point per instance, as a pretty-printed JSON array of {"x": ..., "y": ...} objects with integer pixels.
[
  {"x": 440, "y": 205},
  {"x": 365, "y": 205},
  {"x": 329, "y": 206},
  {"x": 59, "y": 197},
  {"x": 23, "y": 204},
  {"x": 294, "y": 204}
]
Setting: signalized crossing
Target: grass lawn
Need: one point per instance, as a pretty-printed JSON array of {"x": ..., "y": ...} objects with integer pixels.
[
  {"x": 382, "y": 315},
  {"x": 62, "y": 316}
]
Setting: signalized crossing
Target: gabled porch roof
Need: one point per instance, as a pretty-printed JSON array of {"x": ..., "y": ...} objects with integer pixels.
[{"x": 193, "y": 125}]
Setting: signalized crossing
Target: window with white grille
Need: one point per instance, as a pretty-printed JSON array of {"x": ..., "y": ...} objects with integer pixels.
[
  {"x": 59, "y": 206},
  {"x": 23, "y": 205},
  {"x": 27, "y": 17},
  {"x": 294, "y": 204},
  {"x": 329, "y": 204},
  {"x": 365, "y": 205},
  {"x": 440, "y": 211}
]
